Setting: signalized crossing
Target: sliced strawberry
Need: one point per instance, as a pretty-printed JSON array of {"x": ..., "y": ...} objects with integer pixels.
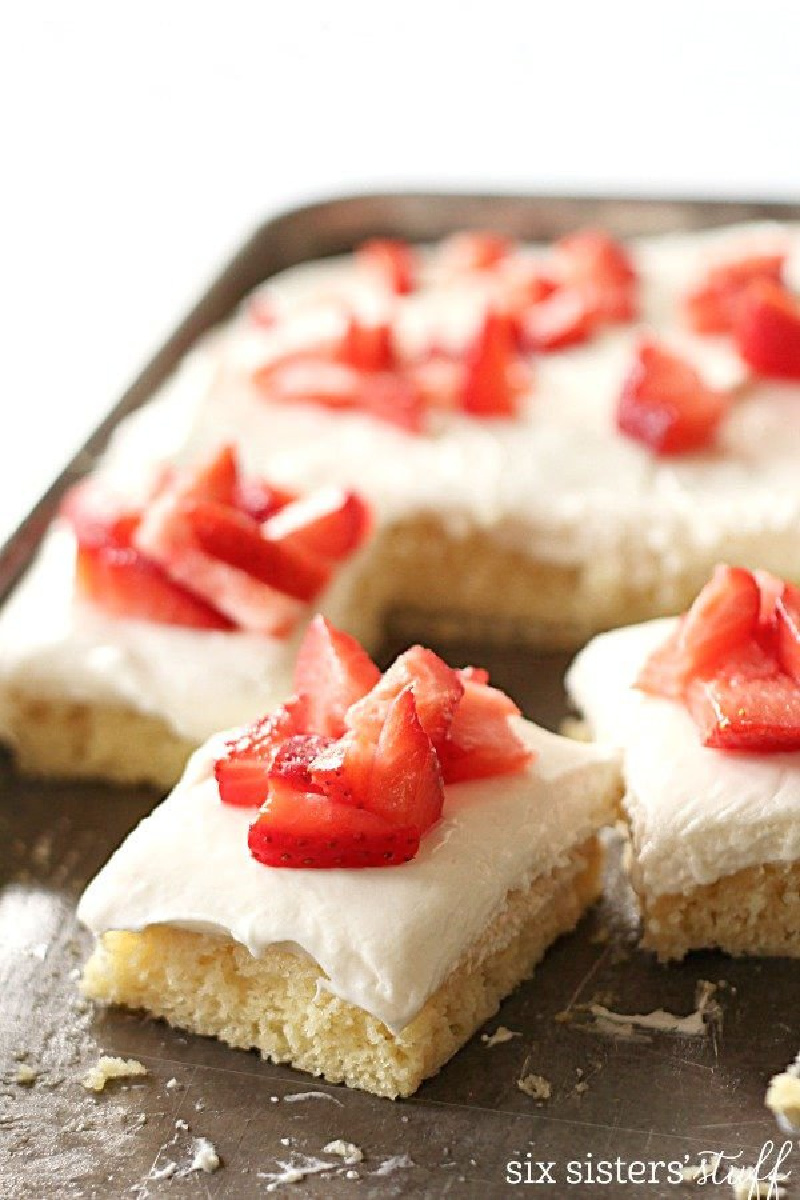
[
  {"x": 368, "y": 347},
  {"x": 393, "y": 398},
  {"x": 749, "y": 704},
  {"x": 97, "y": 518},
  {"x": 391, "y": 261},
  {"x": 480, "y": 742},
  {"x": 343, "y": 770},
  {"x": 723, "y": 618},
  {"x": 123, "y": 583},
  {"x": 767, "y": 330},
  {"x": 438, "y": 380},
  {"x": 329, "y": 523},
  {"x": 216, "y": 480},
  {"x": 787, "y": 611},
  {"x": 234, "y": 538},
  {"x": 474, "y": 250},
  {"x": 242, "y": 772},
  {"x": 666, "y": 405},
  {"x": 599, "y": 267},
  {"x": 477, "y": 675},
  {"x": 260, "y": 500},
  {"x": 334, "y": 672},
  {"x": 562, "y": 319},
  {"x": 437, "y": 690},
  {"x": 306, "y": 829},
  {"x": 385, "y": 395},
  {"x": 406, "y": 783},
  {"x": 295, "y": 758},
  {"x": 713, "y": 306},
  {"x": 489, "y": 387}
]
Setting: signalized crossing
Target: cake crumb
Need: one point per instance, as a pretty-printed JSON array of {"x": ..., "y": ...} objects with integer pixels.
[
  {"x": 199, "y": 1105},
  {"x": 783, "y": 1098},
  {"x": 205, "y": 1157},
  {"x": 108, "y": 1068},
  {"x": 581, "y": 1087},
  {"x": 26, "y": 1074},
  {"x": 172, "y": 1083},
  {"x": 346, "y": 1150},
  {"x": 500, "y": 1035},
  {"x": 535, "y": 1086},
  {"x": 181, "y": 1124}
]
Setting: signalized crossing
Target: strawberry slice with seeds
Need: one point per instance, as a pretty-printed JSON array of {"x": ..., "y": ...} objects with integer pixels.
[
  {"x": 306, "y": 829},
  {"x": 713, "y": 306},
  {"x": 480, "y": 742},
  {"x": 489, "y": 386},
  {"x": 329, "y": 523},
  {"x": 665, "y": 404},
  {"x": 243, "y": 771},
  {"x": 333, "y": 671},
  {"x": 124, "y": 583},
  {"x": 391, "y": 262},
  {"x": 723, "y": 618},
  {"x": 406, "y": 785},
  {"x": 437, "y": 690},
  {"x": 767, "y": 330},
  {"x": 747, "y": 704}
]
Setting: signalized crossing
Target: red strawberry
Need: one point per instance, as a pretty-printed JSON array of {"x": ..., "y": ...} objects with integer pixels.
[
  {"x": 393, "y": 398},
  {"x": 787, "y": 612},
  {"x": 242, "y": 772},
  {"x": 767, "y": 330},
  {"x": 562, "y": 319},
  {"x": 391, "y": 262},
  {"x": 217, "y": 479},
  {"x": 343, "y": 770},
  {"x": 235, "y": 539},
  {"x": 748, "y": 704},
  {"x": 295, "y": 758},
  {"x": 97, "y": 518},
  {"x": 599, "y": 267},
  {"x": 366, "y": 347},
  {"x": 329, "y": 523},
  {"x": 476, "y": 675},
  {"x": 480, "y": 742},
  {"x": 713, "y": 306},
  {"x": 437, "y": 690},
  {"x": 473, "y": 250},
  {"x": 489, "y": 388},
  {"x": 406, "y": 783},
  {"x": 334, "y": 672},
  {"x": 384, "y": 395},
  {"x": 666, "y": 405},
  {"x": 260, "y": 500},
  {"x": 723, "y": 618},
  {"x": 123, "y": 583},
  {"x": 306, "y": 829}
]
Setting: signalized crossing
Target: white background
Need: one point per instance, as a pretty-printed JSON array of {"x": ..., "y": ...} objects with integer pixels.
[{"x": 141, "y": 141}]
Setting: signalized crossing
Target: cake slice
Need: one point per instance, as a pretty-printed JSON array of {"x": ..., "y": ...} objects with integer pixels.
[
  {"x": 706, "y": 709},
  {"x": 354, "y": 883}
]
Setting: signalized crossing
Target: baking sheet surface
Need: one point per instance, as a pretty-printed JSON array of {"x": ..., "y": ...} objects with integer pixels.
[{"x": 648, "y": 1097}]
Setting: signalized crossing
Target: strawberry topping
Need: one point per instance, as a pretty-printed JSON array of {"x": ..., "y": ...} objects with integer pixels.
[
  {"x": 598, "y": 267},
  {"x": 203, "y": 549},
  {"x": 767, "y": 330},
  {"x": 734, "y": 660},
  {"x": 351, "y": 773},
  {"x": 492, "y": 380},
  {"x": 714, "y": 305},
  {"x": 473, "y": 250},
  {"x": 666, "y": 405},
  {"x": 391, "y": 262}
]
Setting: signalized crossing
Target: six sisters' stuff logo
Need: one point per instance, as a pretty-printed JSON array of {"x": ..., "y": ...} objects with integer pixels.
[{"x": 761, "y": 1181}]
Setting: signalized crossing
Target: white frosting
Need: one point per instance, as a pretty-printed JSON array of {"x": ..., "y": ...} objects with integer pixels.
[
  {"x": 559, "y": 483},
  {"x": 696, "y": 814},
  {"x": 385, "y": 937}
]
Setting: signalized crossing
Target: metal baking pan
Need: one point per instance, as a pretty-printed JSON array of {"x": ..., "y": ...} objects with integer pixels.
[{"x": 650, "y": 1098}]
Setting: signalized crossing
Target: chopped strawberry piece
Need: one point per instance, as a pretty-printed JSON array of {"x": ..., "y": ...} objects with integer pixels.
[
  {"x": 489, "y": 387},
  {"x": 343, "y": 770},
  {"x": 384, "y": 395},
  {"x": 329, "y": 523},
  {"x": 599, "y": 267},
  {"x": 480, "y": 742},
  {"x": 473, "y": 251},
  {"x": 261, "y": 500},
  {"x": 390, "y": 261},
  {"x": 438, "y": 380},
  {"x": 306, "y": 829},
  {"x": 787, "y": 611},
  {"x": 334, "y": 672},
  {"x": 295, "y": 758},
  {"x": 392, "y": 398},
  {"x": 232, "y": 537},
  {"x": 475, "y": 675},
  {"x": 437, "y": 690},
  {"x": 562, "y": 319},
  {"x": 767, "y": 330},
  {"x": 216, "y": 480},
  {"x": 243, "y": 771},
  {"x": 406, "y": 783},
  {"x": 723, "y": 618},
  {"x": 123, "y": 583},
  {"x": 666, "y": 405},
  {"x": 713, "y": 306},
  {"x": 97, "y": 518},
  {"x": 749, "y": 704},
  {"x": 367, "y": 347}
]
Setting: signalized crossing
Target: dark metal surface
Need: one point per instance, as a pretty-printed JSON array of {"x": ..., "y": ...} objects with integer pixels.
[{"x": 658, "y": 1097}]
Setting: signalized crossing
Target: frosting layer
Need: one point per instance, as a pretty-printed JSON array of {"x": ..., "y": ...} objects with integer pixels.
[{"x": 385, "y": 937}]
